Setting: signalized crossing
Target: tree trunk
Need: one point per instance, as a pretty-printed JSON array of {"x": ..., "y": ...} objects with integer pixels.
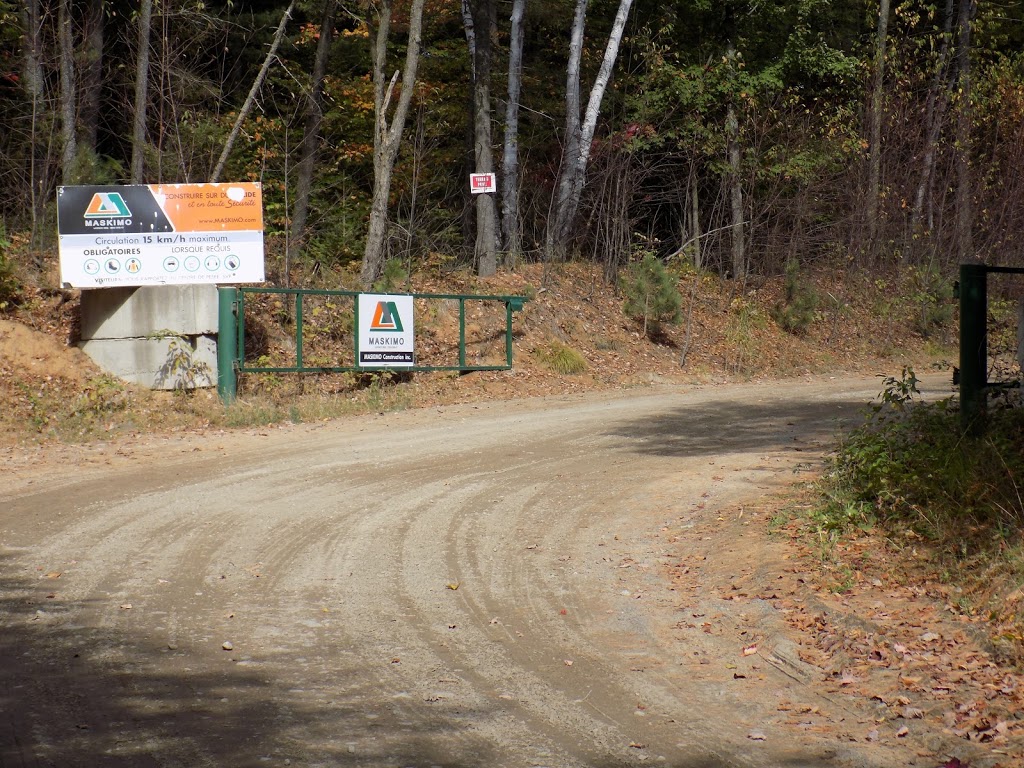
[
  {"x": 244, "y": 112},
  {"x": 572, "y": 82},
  {"x": 512, "y": 228},
  {"x": 314, "y": 117},
  {"x": 34, "y": 86},
  {"x": 92, "y": 76},
  {"x": 68, "y": 102},
  {"x": 387, "y": 138},
  {"x": 469, "y": 26},
  {"x": 732, "y": 129},
  {"x": 875, "y": 117},
  {"x": 486, "y": 249},
  {"x": 934, "y": 114},
  {"x": 604, "y": 75},
  {"x": 574, "y": 164},
  {"x": 698, "y": 259},
  {"x": 964, "y": 216},
  {"x": 33, "y": 73},
  {"x": 554, "y": 245},
  {"x": 141, "y": 93}
]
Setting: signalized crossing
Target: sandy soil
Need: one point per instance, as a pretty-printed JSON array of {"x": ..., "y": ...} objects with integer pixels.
[{"x": 574, "y": 581}]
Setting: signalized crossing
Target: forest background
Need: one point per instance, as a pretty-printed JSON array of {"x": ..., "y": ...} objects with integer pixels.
[{"x": 738, "y": 136}]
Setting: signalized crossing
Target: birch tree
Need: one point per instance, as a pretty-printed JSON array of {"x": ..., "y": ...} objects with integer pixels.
[
  {"x": 557, "y": 231},
  {"x": 511, "y": 226},
  {"x": 387, "y": 134},
  {"x": 480, "y": 21},
  {"x": 579, "y": 135},
  {"x": 251, "y": 98}
]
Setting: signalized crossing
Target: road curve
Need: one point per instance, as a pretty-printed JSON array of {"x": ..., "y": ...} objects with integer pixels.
[{"x": 461, "y": 586}]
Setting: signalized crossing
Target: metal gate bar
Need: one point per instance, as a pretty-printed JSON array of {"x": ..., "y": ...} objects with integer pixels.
[{"x": 231, "y": 335}]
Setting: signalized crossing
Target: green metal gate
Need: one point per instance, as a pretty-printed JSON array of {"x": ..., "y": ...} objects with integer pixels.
[
  {"x": 231, "y": 339},
  {"x": 974, "y": 383}
]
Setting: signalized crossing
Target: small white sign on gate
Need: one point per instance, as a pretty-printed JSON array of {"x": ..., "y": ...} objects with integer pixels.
[{"x": 387, "y": 337}]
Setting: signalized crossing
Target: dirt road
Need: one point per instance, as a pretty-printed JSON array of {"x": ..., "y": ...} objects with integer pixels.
[{"x": 540, "y": 583}]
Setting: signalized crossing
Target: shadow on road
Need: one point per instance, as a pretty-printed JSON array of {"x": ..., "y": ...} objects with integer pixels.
[
  {"x": 731, "y": 426},
  {"x": 64, "y": 705},
  {"x": 75, "y": 696}
]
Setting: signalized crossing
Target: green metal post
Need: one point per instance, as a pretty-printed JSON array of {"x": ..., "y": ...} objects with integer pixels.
[
  {"x": 355, "y": 330},
  {"x": 227, "y": 344},
  {"x": 973, "y": 346},
  {"x": 240, "y": 315},
  {"x": 508, "y": 333},
  {"x": 462, "y": 334},
  {"x": 298, "y": 330}
]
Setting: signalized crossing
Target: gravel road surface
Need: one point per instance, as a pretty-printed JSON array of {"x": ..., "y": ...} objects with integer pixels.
[{"x": 511, "y": 584}]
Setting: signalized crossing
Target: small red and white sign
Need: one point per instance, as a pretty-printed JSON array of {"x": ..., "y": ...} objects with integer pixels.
[{"x": 479, "y": 183}]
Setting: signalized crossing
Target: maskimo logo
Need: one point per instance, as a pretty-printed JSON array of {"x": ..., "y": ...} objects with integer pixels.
[
  {"x": 107, "y": 209},
  {"x": 386, "y": 318}
]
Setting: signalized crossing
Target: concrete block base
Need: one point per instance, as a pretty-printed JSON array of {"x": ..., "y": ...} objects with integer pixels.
[
  {"x": 158, "y": 363},
  {"x": 125, "y": 313},
  {"x": 126, "y": 331}
]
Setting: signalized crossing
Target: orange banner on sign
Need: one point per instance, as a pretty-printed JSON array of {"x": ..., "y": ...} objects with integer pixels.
[{"x": 211, "y": 207}]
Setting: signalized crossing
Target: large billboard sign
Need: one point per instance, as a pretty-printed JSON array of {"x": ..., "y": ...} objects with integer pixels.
[
  {"x": 160, "y": 234},
  {"x": 386, "y": 331}
]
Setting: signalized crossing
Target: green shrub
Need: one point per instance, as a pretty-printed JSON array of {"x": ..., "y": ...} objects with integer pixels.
[
  {"x": 561, "y": 359},
  {"x": 392, "y": 278},
  {"x": 181, "y": 370},
  {"x": 910, "y": 464},
  {"x": 103, "y": 395},
  {"x": 651, "y": 294},
  {"x": 932, "y": 298},
  {"x": 799, "y": 306},
  {"x": 744, "y": 320}
]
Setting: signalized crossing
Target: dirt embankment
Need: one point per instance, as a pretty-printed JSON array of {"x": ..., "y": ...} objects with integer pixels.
[{"x": 728, "y": 333}]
